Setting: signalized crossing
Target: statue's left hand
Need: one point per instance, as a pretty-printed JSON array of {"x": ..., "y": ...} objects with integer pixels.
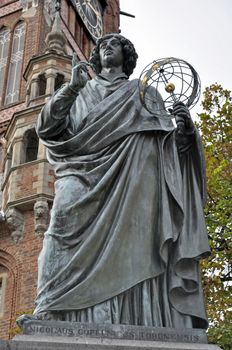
[{"x": 183, "y": 118}]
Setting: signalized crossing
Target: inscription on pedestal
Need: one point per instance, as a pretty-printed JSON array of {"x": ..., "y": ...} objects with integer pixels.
[{"x": 87, "y": 330}]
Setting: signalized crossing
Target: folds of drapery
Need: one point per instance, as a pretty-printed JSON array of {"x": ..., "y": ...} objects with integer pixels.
[{"x": 126, "y": 208}]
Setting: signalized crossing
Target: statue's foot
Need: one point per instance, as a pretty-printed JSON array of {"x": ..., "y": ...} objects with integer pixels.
[{"x": 24, "y": 318}]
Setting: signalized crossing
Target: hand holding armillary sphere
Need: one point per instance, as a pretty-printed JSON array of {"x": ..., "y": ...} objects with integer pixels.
[{"x": 179, "y": 85}]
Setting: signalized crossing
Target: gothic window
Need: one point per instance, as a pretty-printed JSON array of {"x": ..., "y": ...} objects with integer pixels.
[
  {"x": 1, "y": 158},
  {"x": 31, "y": 142},
  {"x": 42, "y": 84},
  {"x": 59, "y": 81},
  {"x": 16, "y": 59},
  {"x": 2, "y": 292},
  {"x": 4, "y": 48},
  {"x": 8, "y": 163},
  {"x": 1, "y": 174}
]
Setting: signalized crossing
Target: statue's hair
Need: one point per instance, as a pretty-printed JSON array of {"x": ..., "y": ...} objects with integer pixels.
[{"x": 129, "y": 54}]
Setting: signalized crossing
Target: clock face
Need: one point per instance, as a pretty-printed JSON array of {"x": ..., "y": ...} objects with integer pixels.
[{"x": 91, "y": 13}]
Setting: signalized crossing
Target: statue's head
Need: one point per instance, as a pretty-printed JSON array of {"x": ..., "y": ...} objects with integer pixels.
[{"x": 129, "y": 55}]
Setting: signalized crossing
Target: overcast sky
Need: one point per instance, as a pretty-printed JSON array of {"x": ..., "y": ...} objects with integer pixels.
[{"x": 198, "y": 31}]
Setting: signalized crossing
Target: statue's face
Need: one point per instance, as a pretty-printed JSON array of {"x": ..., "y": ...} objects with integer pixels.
[{"x": 111, "y": 54}]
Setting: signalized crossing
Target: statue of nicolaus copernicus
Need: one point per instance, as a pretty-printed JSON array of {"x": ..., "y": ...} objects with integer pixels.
[{"x": 127, "y": 227}]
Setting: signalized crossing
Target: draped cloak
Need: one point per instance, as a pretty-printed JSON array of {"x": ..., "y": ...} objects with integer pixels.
[{"x": 128, "y": 205}]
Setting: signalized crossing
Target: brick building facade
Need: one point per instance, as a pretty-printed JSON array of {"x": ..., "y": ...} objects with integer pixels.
[{"x": 37, "y": 39}]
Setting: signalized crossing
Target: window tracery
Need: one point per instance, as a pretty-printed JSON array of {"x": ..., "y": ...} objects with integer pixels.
[
  {"x": 4, "y": 52},
  {"x": 14, "y": 76}
]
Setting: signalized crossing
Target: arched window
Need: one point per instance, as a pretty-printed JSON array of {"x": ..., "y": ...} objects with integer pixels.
[
  {"x": 31, "y": 142},
  {"x": 3, "y": 277},
  {"x": 14, "y": 76},
  {"x": 8, "y": 163},
  {"x": 1, "y": 157},
  {"x": 59, "y": 81},
  {"x": 4, "y": 48},
  {"x": 1, "y": 173},
  {"x": 42, "y": 84}
]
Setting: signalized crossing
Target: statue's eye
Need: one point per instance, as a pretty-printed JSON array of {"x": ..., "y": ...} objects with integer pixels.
[{"x": 115, "y": 43}]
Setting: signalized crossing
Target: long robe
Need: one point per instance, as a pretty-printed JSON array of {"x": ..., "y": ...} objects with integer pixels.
[{"x": 127, "y": 223}]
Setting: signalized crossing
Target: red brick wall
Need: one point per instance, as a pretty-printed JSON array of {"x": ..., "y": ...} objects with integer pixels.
[
  {"x": 7, "y": 113},
  {"x": 20, "y": 263},
  {"x": 25, "y": 181},
  {"x": 11, "y": 7},
  {"x": 111, "y": 17},
  {"x": 4, "y": 2}
]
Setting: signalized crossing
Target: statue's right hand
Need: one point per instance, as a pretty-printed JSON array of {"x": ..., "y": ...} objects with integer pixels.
[{"x": 79, "y": 76}]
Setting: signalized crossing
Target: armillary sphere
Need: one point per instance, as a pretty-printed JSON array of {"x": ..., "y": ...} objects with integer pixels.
[{"x": 172, "y": 78}]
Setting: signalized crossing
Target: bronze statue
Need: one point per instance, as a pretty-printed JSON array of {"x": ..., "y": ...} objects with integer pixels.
[{"x": 127, "y": 226}]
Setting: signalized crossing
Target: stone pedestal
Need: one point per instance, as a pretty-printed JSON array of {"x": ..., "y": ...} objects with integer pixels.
[
  {"x": 51, "y": 335},
  {"x": 64, "y": 343}
]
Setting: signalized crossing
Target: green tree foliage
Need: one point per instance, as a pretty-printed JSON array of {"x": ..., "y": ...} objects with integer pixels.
[{"x": 215, "y": 125}]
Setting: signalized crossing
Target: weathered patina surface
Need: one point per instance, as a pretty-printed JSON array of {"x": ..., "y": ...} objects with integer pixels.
[{"x": 127, "y": 226}]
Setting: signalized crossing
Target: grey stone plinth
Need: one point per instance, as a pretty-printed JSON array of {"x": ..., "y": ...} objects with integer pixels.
[
  {"x": 4, "y": 345},
  {"x": 56, "y": 335},
  {"x": 28, "y": 342}
]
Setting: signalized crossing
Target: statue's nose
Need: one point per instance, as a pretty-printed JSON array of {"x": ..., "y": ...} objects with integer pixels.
[{"x": 109, "y": 46}]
